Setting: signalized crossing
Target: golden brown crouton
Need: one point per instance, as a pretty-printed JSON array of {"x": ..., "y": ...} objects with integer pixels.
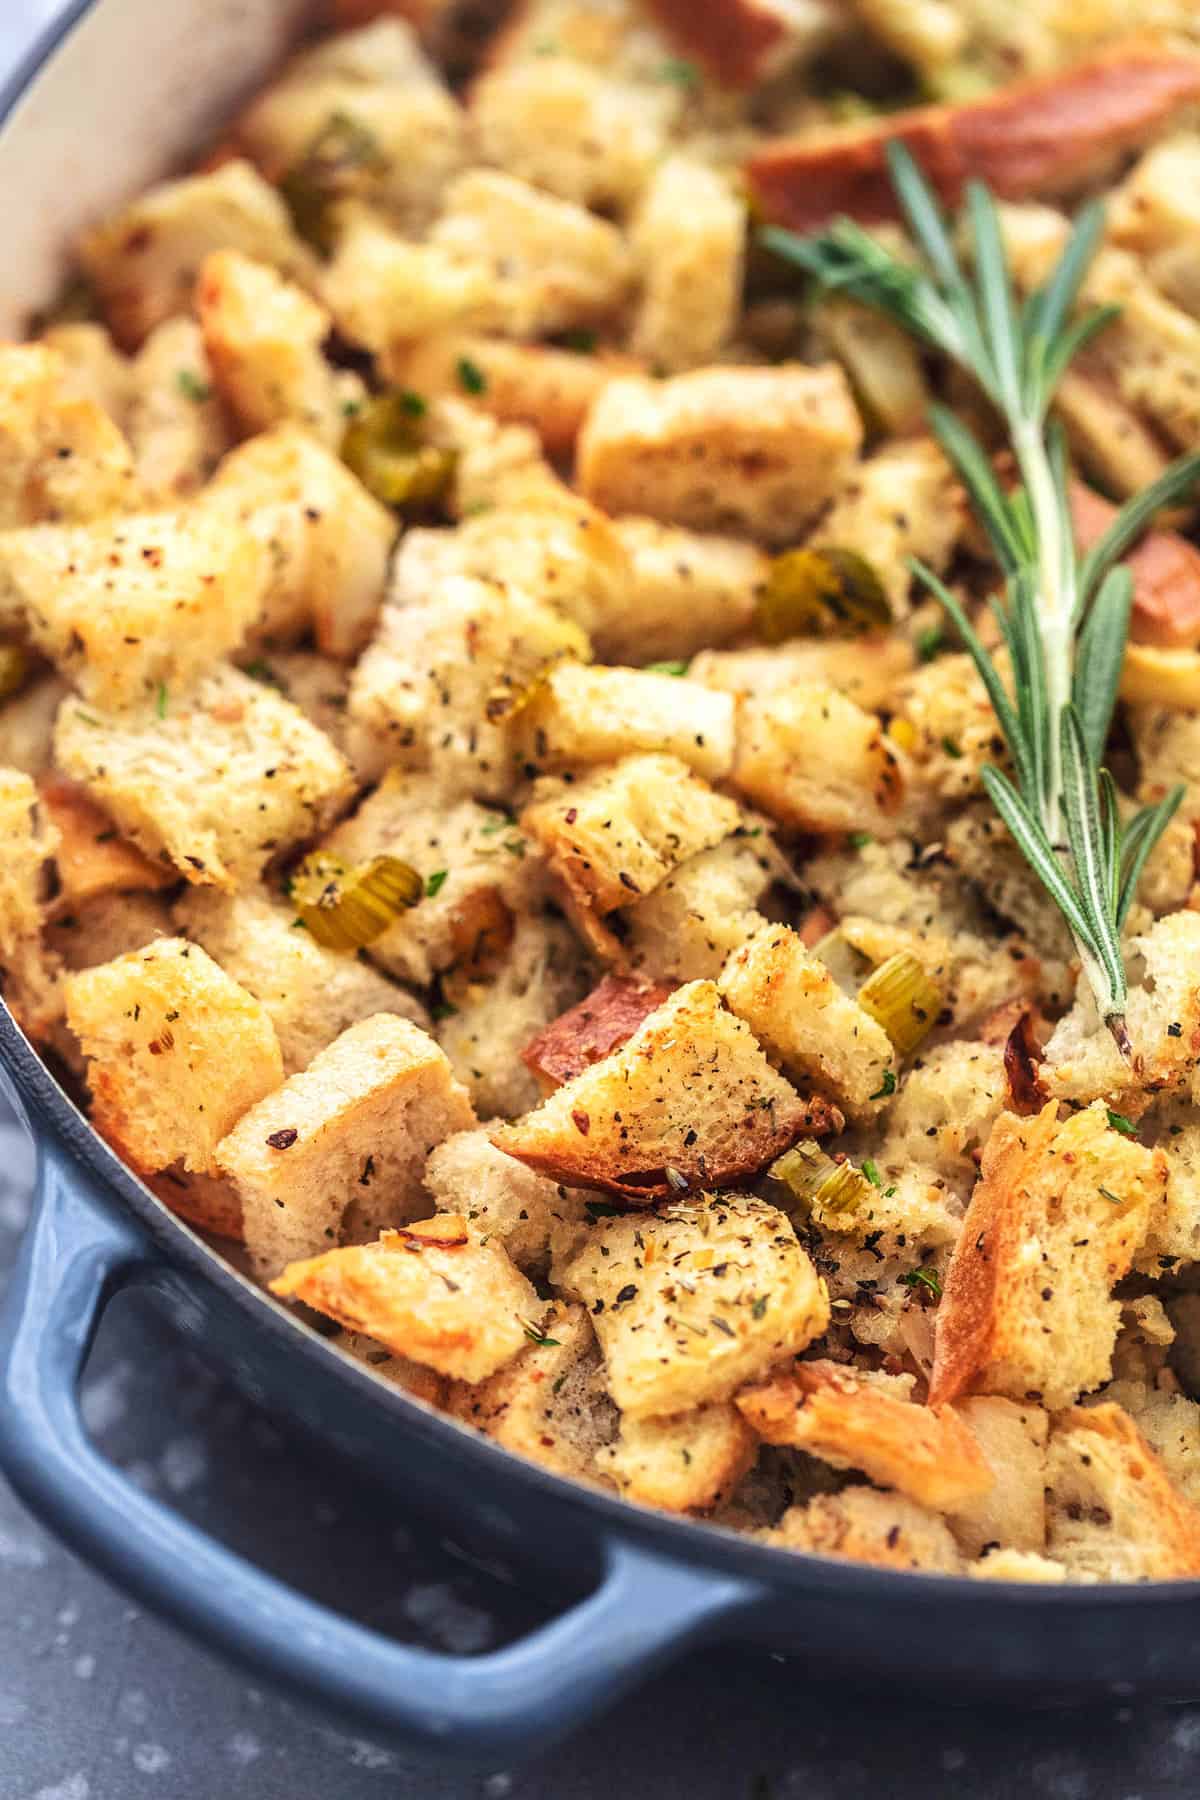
[
  {"x": 688, "y": 1462},
  {"x": 214, "y": 780},
  {"x": 263, "y": 338},
  {"x": 689, "y": 1101},
  {"x": 866, "y": 670},
  {"x": 61, "y": 456},
  {"x": 91, "y": 857},
  {"x": 26, "y": 974},
  {"x": 863, "y": 1525},
  {"x": 693, "y": 1301},
  {"x": 127, "y": 607},
  {"x": 176, "y": 1051},
  {"x": 579, "y": 716},
  {"x": 800, "y": 1015},
  {"x": 1012, "y": 1511},
  {"x": 1113, "y": 1514},
  {"x": 592, "y": 1030},
  {"x": 352, "y": 1130},
  {"x": 176, "y": 423},
  {"x": 703, "y": 910},
  {"x": 392, "y": 295},
  {"x": 817, "y": 762},
  {"x": 432, "y": 1291},
  {"x": 750, "y": 450},
  {"x": 1052, "y": 1225},
  {"x": 684, "y": 590},
  {"x": 421, "y": 1382},
  {"x": 855, "y": 1422},
  {"x": 687, "y": 240}
]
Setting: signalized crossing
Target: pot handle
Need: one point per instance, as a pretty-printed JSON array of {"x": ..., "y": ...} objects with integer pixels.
[{"x": 645, "y": 1611}]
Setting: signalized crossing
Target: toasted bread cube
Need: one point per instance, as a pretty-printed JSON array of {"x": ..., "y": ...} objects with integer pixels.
[
  {"x": 214, "y": 780},
  {"x": 352, "y": 1129},
  {"x": 263, "y": 337},
  {"x": 945, "y": 1107},
  {"x": 689, "y": 1462},
  {"x": 205, "y": 1201},
  {"x": 467, "y": 924},
  {"x": 954, "y": 733},
  {"x": 496, "y": 1194},
  {"x": 684, "y": 591},
  {"x": 27, "y": 725},
  {"x": 312, "y": 994},
  {"x": 687, "y": 240},
  {"x": 495, "y": 464},
  {"x": 800, "y": 1015},
  {"x": 107, "y": 926},
  {"x": 702, "y": 911},
  {"x": 862, "y": 1525},
  {"x": 617, "y": 833},
  {"x": 817, "y": 762},
  {"x": 549, "y": 1402},
  {"x": 692, "y": 1302},
  {"x": 1052, "y": 1226},
  {"x": 327, "y": 539},
  {"x": 1012, "y": 1511},
  {"x": 689, "y": 1101},
  {"x": 374, "y": 100},
  {"x": 900, "y": 503},
  {"x": 61, "y": 455},
  {"x": 177, "y": 1052},
  {"x": 1113, "y": 1513},
  {"x": 176, "y": 423},
  {"x": 319, "y": 685},
  {"x": 433, "y": 1291},
  {"x": 91, "y": 857},
  {"x": 553, "y": 265},
  {"x": 491, "y": 1018},
  {"x": 26, "y": 975},
  {"x": 752, "y": 451},
  {"x": 580, "y": 716},
  {"x": 387, "y": 292},
  {"x": 866, "y": 670},
  {"x": 146, "y": 601},
  {"x": 863, "y": 1422},
  {"x": 592, "y": 1030},
  {"x": 145, "y": 259}
]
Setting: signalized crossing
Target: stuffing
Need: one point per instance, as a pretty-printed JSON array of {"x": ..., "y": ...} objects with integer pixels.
[
  {"x": 1154, "y": 214},
  {"x": 263, "y": 337},
  {"x": 688, "y": 925},
  {"x": 749, "y": 450},
  {"x": 26, "y": 974},
  {"x": 815, "y": 761},
  {"x": 176, "y": 1053},
  {"x": 214, "y": 780},
  {"x": 689, "y": 1462},
  {"x": 1167, "y": 744},
  {"x": 90, "y": 855},
  {"x": 687, "y": 240},
  {"x": 1174, "y": 1234},
  {"x": 1113, "y": 1514},
  {"x": 899, "y": 503},
  {"x": 341, "y": 1146},
  {"x": 93, "y": 368},
  {"x": 689, "y": 1100},
  {"x": 176, "y": 422},
  {"x": 580, "y": 716},
  {"x": 691, "y": 1302},
  {"x": 882, "y": 362},
  {"x": 862, "y": 1525},
  {"x": 432, "y": 1291},
  {"x": 684, "y": 591},
  {"x": 587, "y": 1033},
  {"x": 62, "y": 458},
  {"x": 954, "y": 732},
  {"x": 1054, "y": 1223},
  {"x": 1012, "y": 1510}
]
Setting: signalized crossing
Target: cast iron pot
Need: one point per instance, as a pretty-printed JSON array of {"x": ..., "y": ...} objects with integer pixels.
[{"x": 122, "y": 91}]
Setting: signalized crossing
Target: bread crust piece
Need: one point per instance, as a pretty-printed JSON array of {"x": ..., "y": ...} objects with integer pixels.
[
  {"x": 433, "y": 1291},
  {"x": 1053, "y": 1223},
  {"x": 1113, "y": 1514},
  {"x": 91, "y": 857},
  {"x": 1043, "y": 136},
  {"x": 863, "y": 1525},
  {"x": 854, "y": 1422},
  {"x": 740, "y": 42},
  {"x": 689, "y": 1102},
  {"x": 686, "y": 1462},
  {"x": 588, "y": 1032}
]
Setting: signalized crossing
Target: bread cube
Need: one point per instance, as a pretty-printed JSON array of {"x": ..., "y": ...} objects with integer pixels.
[
  {"x": 263, "y": 336},
  {"x": 687, "y": 239},
  {"x": 614, "y": 835},
  {"x": 386, "y": 291},
  {"x": 1113, "y": 1514},
  {"x": 684, "y": 591},
  {"x": 688, "y": 926},
  {"x": 128, "y": 608},
  {"x": 61, "y": 456},
  {"x": 955, "y": 733},
  {"x": 580, "y": 716},
  {"x": 945, "y": 1107},
  {"x": 213, "y": 780},
  {"x": 543, "y": 539},
  {"x": 1154, "y": 215},
  {"x": 689, "y": 1462},
  {"x": 177, "y": 1052},
  {"x": 1012, "y": 1511},
  {"x": 177, "y": 425},
  {"x": 311, "y": 994},
  {"x": 862, "y": 1525},
  {"x": 433, "y": 1291},
  {"x": 93, "y": 367},
  {"x": 144, "y": 260},
  {"x": 91, "y": 857},
  {"x": 497, "y": 1195},
  {"x": 692, "y": 1302},
  {"x": 108, "y": 925},
  {"x": 348, "y": 1135},
  {"x": 753, "y": 451},
  {"x": 205, "y": 1201},
  {"x": 817, "y": 762},
  {"x": 26, "y": 974},
  {"x": 866, "y": 670},
  {"x": 900, "y": 503},
  {"x": 553, "y": 265},
  {"x": 690, "y": 1100},
  {"x": 1052, "y": 1226}
]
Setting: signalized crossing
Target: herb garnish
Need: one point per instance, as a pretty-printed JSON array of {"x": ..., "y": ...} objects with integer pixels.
[
  {"x": 870, "y": 1169},
  {"x": 160, "y": 700},
  {"x": 471, "y": 377},
  {"x": 1064, "y": 618},
  {"x": 887, "y": 1085},
  {"x": 1120, "y": 1123},
  {"x": 191, "y": 386},
  {"x": 435, "y": 883},
  {"x": 536, "y": 1337},
  {"x": 666, "y": 668},
  {"x": 924, "y": 1277}
]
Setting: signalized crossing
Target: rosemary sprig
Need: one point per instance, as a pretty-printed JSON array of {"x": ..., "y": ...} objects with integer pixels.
[{"x": 1063, "y": 617}]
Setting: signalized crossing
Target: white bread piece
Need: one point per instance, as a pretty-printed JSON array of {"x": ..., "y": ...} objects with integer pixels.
[
  {"x": 862, "y": 1525},
  {"x": 686, "y": 1462},
  {"x": 177, "y": 1052},
  {"x": 27, "y": 724},
  {"x": 433, "y": 1291},
  {"x": 1170, "y": 1423},
  {"x": 688, "y": 1101},
  {"x": 956, "y": 733},
  {"x": 978, "y": 843},
  {"x": 176, "y": 423},
  {"x": 553, "y": 265},
  {"x": 377, "y": 93},
  {"x": 328, "y": 541},
  {"x": 688, "y": 239},
  {"x": 62, "y": 458},
  {"x": 94, "y": 368},
  {"x": 312, "y": 994},
  {"x": 858, "y": 1421},
  {"x": 901, "y": 502},
  {"x": 752, "y": 451},
  {"x": 945, "y": 1107},
  {"x": 580, "y": 716},
  {"x": 90, "y": 855},
  {"x": 107, "y": 926},
  {"x": 818, "y": 1035},
  {"x": 656, "y": 1283},
  {"x": 1112, "y": 1511},
  {"x": 1017, "y": 1565},
  {"x": 263, "y": 337},
  {"x": 144, "y": 259},
  {"x": 386, "y": 291},
  {"x": 685, "y": 591},
  {"x": 549, "y": 1403},
  {"x": 687, "y": 926},
  {"x": 1053, "y": 1224},
  {"x": 1174, "y": 1234},
  {"x": 1012, "y": 1511},
  {"x": 128, "y": 607},
  {"x": 867, "y": 670},
  {"x": 231, "y": 774},
  {"x": 320, "y": 686},
  {"x": 495, "y": 1193},
  {"x": 353, "y": 1128},
  {"x": 815, "y": 761},
  {"x": 26, "y": 973},
  {"x": 614, "y": 835}
]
